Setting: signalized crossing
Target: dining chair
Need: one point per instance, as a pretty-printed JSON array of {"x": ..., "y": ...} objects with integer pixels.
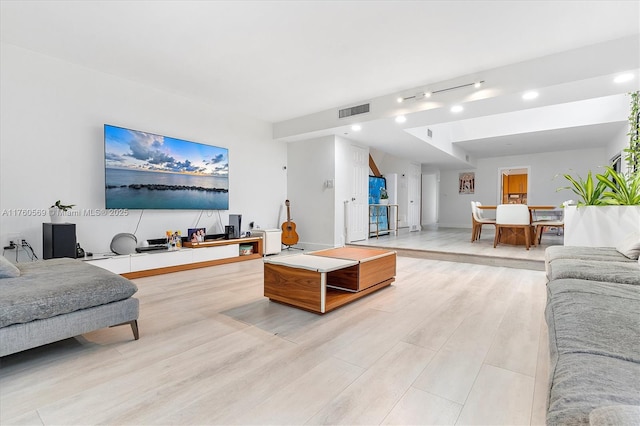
[
  {"x": 513, "y": 216},
  {"x": 477, "y": 221},
  {"x": 539, "y": 225}
]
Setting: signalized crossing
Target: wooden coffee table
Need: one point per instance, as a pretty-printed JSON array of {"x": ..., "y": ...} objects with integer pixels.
[{"x": 325, "y": 280}]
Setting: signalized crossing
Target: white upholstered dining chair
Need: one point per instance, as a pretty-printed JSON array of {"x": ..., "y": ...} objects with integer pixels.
[
  {"x": 539, "y": 225},
  {"x": 513, "y": 216},
  {"x": 477, "y": 221}
]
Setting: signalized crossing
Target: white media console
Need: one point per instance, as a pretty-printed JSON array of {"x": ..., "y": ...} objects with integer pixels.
[{"x": 209, "y": 253}]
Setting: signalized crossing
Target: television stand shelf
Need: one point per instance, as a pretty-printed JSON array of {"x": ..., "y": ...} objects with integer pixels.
[{"x": 200, "y": 255}]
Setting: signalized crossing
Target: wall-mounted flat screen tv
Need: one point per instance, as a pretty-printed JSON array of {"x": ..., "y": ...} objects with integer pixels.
[{"x": 148, "y": 171}]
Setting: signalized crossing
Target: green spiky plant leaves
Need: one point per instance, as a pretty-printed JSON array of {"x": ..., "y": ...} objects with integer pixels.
[
  {"x": 63, "y": 207},
  {"x": 623, "y": 190},
  {"x": 590, "y": 192}
]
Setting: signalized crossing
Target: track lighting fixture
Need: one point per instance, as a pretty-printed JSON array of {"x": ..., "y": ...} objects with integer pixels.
[{"x": 423, "y": 95}]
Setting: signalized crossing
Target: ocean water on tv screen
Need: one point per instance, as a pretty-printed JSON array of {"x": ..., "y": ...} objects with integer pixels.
[{"x": 135, "y": 189}]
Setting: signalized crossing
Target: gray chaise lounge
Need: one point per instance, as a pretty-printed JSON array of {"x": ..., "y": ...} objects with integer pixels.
[
  {"x": 49, "y": 300},
  {"x": 593, "y": 314}
]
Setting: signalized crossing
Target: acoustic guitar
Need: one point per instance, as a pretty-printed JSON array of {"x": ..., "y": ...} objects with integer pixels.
[{"x": 289, "y": 235}]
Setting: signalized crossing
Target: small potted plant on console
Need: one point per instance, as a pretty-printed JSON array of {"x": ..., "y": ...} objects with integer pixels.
[
  {"x": 384, "y": 196},
  {"x": 57, "y": 211}
]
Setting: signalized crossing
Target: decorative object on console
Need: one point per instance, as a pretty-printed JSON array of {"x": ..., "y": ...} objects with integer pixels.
[
  {"x": 384, "y": 196},
  {"x": 174, "y": 240},
  {"x": 57, "y": 211},
  {"x": 124, "y": 243},
  {"x": 196, "y": 235},
  {"x": 246, "y": 249}
]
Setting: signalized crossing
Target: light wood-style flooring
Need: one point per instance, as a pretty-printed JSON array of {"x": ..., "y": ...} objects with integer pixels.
[
  {"x": 455, "y": 244},
  {"x": 448, "y": 343}
]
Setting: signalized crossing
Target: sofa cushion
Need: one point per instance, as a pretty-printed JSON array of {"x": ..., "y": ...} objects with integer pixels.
[
  {"x": 593, "y": 270},
  {"x": 8, "y": 269},
  {"x": 594, "y": 341},
  {"x": 630, "y": 246},
  {"x": 596, "y": 317},
  {"x": 603, "y": 254},
  {"x": 583, "y": 382},
  {"x": 47, "y": 288},
  {"x": 615, "y": 415}
]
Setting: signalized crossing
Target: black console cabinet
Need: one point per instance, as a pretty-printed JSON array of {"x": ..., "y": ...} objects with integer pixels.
[{"x": 58, "y": 240}]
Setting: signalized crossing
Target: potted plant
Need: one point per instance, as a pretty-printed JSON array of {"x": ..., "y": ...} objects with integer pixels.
[
  {"x": 590, "y": 193},
  {"x": 609, "y": 208},
  {"x": 58, "y": 210},
  {"x": 384, "y": 196}
]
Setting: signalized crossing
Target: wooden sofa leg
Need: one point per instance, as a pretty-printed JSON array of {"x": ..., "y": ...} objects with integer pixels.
[{"x": 134, "y": 328}]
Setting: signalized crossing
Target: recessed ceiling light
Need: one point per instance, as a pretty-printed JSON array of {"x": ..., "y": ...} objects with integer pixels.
[
  {"x": 400, "y": 100},
  {"x": 531, "y": 94},
  {"x": 427, "y": 94},
  {"x": 623, "y": 78},
  {"x": 356, "y": 127},
  {"x": 457, "y": 108},
  {"x": 477, "y": 84},
  {"x": 401, "y": 119}
]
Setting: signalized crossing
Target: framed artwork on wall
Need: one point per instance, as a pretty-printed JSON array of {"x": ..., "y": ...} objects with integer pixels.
[{"x": 467, "y": 183}]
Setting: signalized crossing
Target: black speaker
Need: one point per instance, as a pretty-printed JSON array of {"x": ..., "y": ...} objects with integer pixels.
[
  {"x": 228, "y": 232},
  {"x": 58, "y": 240}
]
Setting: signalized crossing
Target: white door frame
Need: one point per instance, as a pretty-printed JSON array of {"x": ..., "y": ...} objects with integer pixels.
[{"x": 502, "y": 169}]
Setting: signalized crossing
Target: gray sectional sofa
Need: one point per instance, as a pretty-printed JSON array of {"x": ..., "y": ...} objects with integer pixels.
[
  {"x": 49, "y": 300},
  {"x": 593, "y": 315}
]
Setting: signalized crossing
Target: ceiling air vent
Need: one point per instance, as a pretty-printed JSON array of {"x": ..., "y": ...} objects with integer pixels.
[{"x": 348, "y": 112}]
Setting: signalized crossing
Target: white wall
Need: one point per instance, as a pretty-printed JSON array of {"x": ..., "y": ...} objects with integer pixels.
[
  {"x": 310, "y": 164},
  {"x": 343, "y": 186},
  {"x": 429, "y": 198},
  {"x": 545, "y": 178},
  {"x": 51, "y": 147}
]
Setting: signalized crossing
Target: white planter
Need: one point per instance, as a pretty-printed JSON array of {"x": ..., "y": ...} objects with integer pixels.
[
  {"x": 599, "y": 226},
  {"x": 56, "y": 215},
  {"x": 384, "y": 201}
]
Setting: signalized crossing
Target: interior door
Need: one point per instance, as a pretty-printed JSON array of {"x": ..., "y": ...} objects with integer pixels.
[
  {"x": 413, "y": 190},
  {"x": 358, "y": 205}
]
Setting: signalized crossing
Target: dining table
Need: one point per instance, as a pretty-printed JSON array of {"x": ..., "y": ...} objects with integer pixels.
[{"x": 514, "y": 236}]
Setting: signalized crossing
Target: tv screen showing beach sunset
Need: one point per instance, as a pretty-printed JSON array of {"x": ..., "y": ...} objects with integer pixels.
[{"x": 148, "y": 171}]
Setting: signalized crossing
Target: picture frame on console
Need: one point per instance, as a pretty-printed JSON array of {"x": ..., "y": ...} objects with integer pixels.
[{"x": 196, "y": 235}]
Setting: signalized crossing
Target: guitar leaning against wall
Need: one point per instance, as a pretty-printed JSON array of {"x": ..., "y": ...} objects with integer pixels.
[{"x": 289, "y": 235}]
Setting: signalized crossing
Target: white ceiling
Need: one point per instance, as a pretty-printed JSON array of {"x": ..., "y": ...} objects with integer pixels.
[{"x": 280, "y": 60}]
